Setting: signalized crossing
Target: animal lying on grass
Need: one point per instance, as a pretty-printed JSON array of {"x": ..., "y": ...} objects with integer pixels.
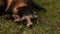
[{"x": 22, "y": 9}]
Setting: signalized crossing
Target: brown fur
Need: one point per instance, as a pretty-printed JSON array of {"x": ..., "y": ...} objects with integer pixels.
[
  {"x": 21, "y": 3},
  {"x": 18, "y": 4},
  {"x": 8, "y": 4},
  {"x": 1, "y": 2}
]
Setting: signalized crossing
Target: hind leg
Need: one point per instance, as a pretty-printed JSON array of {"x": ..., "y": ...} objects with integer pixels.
[
  {"x": 8, "y": 4},
  {"x": 29, "y": 22}
]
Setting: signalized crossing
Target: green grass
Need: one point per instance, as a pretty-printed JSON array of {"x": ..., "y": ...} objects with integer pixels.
[{"x": 49, "y": 21}]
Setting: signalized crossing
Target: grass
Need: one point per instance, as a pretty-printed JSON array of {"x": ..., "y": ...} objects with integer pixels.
[{"x": 48, "y": 22}]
